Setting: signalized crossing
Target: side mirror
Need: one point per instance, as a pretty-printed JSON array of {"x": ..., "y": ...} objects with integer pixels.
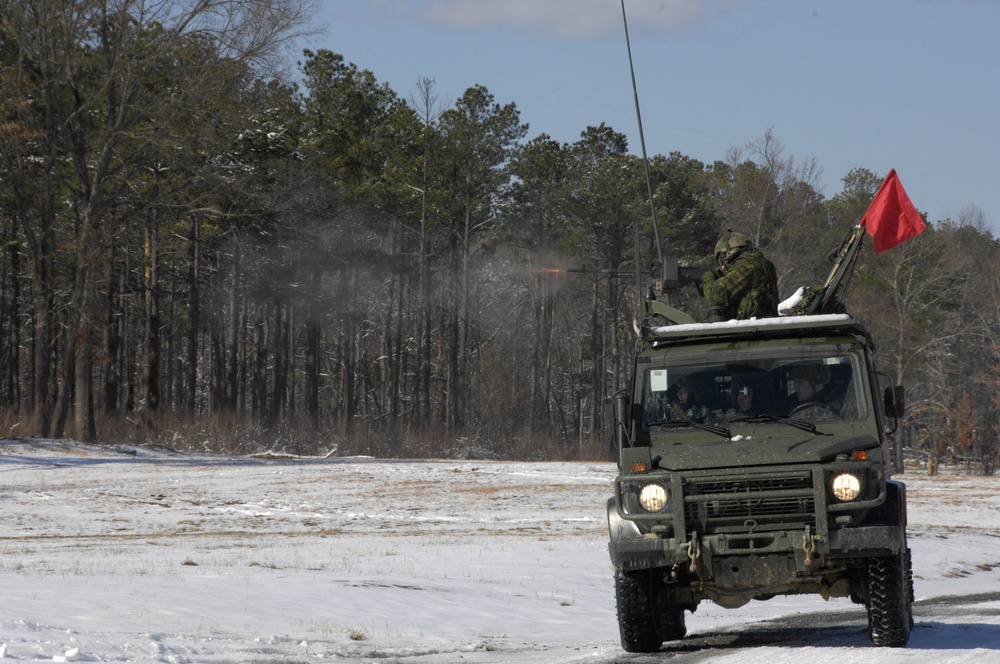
[
  {"x": 895, "y": 401},
  {"x": 622, "y": 410}
]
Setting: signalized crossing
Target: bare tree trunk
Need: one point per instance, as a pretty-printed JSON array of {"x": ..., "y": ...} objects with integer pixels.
[
  {"x": 538, "y": 307},
  {"x": 541, "y": 369},
  {"x": 426, "y": 105},
  {"x": 463, "y": 314},
  {"x": 290, "y": 365},
  {"x": 426, "y": 342},
  {"x": 151, "y": 356},
  {"x": 258, "y": 381},
  {"x": 111, "y": 370},
  {"x": 194, "y": 313},
  {"x": 386, "y": 386},
  {"x": 454, "y": 339},
  {"x": 232, "y": 377},
  {"x": 349, "y": 294},
  {"x": 218, "y": 379},
  {"x": 313, "y": 351},
  {"x": 280, "y": 368},
  {"x": 400, "y": 364},
  {"x": 86, "y": 428},
  {"x": 43, "y": 398},
  {"x": 13, "y": 304},
  {"x": 82, "y": 307},
  {"x": 596, "y": 358},
  {"x": 128, "y": 353},
  {"x": 64, "y": 393},
  {"x": 43, "y": 254}
]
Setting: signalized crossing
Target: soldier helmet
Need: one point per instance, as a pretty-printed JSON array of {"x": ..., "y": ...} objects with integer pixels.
[
  {"x": 730, "y": 244},
  {"x": 700, "y": 386},
  {"x": 816, "y": 374}
]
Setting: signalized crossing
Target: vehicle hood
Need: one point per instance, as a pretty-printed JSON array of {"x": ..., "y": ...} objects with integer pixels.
[{"x": 728, "y": 453}]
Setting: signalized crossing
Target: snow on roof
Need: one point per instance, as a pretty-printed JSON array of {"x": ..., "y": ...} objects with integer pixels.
[{"x": 753, "y": 323}]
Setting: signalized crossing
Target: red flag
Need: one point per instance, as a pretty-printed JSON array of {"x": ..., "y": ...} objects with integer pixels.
[{"x": 891, "y": 217}]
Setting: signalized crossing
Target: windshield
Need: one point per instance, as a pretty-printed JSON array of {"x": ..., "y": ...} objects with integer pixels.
[{"x": 808, "y": 386}]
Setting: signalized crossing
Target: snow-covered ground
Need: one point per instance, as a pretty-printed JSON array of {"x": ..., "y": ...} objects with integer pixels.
[{"x": 119, "y": 554}]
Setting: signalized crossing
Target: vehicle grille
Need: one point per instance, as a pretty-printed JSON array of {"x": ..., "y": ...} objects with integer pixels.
[{"x": 748, "y": 504}]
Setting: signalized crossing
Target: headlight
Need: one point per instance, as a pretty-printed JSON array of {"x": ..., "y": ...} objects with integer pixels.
[
  {"x": 846, "y": 487},
  {"x": 653, "y": 497}
]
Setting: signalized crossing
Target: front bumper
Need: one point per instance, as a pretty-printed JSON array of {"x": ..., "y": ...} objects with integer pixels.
[
  {"x": 636, "y": 551},
  {"x": 786, "y": 513}
]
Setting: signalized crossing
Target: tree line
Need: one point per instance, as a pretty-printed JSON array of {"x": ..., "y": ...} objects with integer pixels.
[{"x": 205, "y": 252}]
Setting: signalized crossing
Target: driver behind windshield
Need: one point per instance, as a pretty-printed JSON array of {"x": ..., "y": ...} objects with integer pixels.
[{"x": 811, "y": 386}]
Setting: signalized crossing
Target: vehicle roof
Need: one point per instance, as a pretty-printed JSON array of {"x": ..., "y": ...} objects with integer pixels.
[{"x": 781, "y": 326}]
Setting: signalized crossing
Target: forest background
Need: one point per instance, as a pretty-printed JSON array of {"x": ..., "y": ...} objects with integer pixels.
[{"x": 205, "y": 251}]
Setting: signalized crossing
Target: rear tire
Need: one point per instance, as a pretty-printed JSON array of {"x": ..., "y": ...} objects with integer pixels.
[{"x": 890, "y": 599}]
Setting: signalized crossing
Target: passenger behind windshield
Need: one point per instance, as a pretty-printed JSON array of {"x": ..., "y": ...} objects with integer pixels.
[
  {"x": 748, "y": 394},
  {"x": 693, "y": 393},
  {"x": 687, "y": 399}
]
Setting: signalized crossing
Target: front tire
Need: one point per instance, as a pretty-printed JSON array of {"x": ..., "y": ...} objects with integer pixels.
[
  {"x": 636, "y": 600},
  {"x": 647, "y": 612},
  {"x": 890, "y": 599}
]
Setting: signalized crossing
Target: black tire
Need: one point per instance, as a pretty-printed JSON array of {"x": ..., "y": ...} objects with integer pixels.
[
  {"x": 636, "y": 597},
  {"x": 890, "y": 600},
  {"x": 909, "y": 585},
  {"x": 671, "y": 617}
]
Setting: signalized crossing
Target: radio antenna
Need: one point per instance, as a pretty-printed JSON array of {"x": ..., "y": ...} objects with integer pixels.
[{"x": 645, "y": 159}]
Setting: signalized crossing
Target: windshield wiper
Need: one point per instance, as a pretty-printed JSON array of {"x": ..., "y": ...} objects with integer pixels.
[
  {"x": 676, "y": 424},
  {"x": 784, "y": 419}
]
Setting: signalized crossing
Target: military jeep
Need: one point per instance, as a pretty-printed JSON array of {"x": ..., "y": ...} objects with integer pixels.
[{"x": 743, "y": 475}]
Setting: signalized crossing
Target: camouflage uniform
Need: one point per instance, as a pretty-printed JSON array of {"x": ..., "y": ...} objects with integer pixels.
[
  {"x": 747, "y": 287},
  {"x": 676, "y": 409},
  {"x": 831, "y": 407},
  {"x": 671, "y": 411}
]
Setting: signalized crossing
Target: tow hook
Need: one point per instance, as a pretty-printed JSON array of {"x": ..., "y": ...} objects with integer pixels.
[
  {"x": 809, "y": 545},
  {"x": 694, "y": 552}
]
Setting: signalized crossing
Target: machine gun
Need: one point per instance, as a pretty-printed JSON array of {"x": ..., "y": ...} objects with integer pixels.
[
  {"x": 668, "y": 277},
  {"x": 662, "y": 279}
]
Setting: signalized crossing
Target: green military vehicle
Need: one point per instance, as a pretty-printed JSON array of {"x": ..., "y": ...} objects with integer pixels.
[{"x": 753, "y": 462}]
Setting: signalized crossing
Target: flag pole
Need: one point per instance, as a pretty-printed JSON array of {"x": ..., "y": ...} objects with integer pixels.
[{"x": 843, "y": 266}]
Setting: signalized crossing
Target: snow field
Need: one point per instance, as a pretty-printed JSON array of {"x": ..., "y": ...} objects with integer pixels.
[{"x": 129, "y": 555}]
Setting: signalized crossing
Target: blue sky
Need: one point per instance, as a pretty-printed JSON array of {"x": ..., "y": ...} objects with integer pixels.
[{"x": 907, "y": 84}]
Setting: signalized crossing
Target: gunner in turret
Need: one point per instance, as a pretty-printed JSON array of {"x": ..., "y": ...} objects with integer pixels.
[{"x": 743, "y": 284}]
